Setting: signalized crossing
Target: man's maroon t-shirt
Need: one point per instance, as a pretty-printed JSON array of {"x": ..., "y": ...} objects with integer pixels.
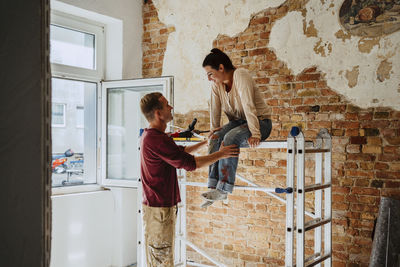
[{"x": 159, "y": 159}]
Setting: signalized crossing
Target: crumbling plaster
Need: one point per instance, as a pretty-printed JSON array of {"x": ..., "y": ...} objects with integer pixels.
[
  {"x": 197, "y": 24},
  {"x": 365, "y": 70}
]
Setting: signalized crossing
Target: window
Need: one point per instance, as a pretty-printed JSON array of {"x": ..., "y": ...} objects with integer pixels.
[
  {"x": 122, "y": 121},
  {"x": 76, "y": 47},
  {"x": 75, "y": 56},
  {"x": 57, "y": 115},
  {"x": 80, "y": 116},
  {"x": 102, "y": 120},
  {"x": 80, "y": 47}
]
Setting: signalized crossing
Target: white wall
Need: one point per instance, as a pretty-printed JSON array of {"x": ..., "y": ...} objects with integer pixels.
[
  {"x": 124, "y": 229},
  {"x": 82, "y": 229},
  {"x": 94, "y": 229},
  {"x": 99, "y": 228}
]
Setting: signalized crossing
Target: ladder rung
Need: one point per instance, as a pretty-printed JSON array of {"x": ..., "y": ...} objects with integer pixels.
[
  {"x": 312, "y": 257},
  {"x": 316, "y": 150},
  {"x": 315, "y": 223},
  {"x": 314, "y": 187},
  {"x": 316, "y": 261}
]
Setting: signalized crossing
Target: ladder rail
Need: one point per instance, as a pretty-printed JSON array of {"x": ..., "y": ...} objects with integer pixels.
[
  {"x": 318, "y": 203},
  {"x": 289, "y": 201},
  {"x": 328, "y": 197},
  {"x": 181, "y": 246},
  {"x": 300, "y": 200}
]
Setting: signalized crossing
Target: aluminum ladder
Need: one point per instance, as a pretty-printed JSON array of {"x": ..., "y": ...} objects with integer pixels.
[{"x": 323, "y": 185}]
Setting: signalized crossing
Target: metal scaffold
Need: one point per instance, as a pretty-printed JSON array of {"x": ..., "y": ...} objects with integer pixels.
[{"x": 296, "y": 149}]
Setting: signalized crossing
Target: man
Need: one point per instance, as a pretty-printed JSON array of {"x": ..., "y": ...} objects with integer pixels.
[{"x": 160, "y": 157}]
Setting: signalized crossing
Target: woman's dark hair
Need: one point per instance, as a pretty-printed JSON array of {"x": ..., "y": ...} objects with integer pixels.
[{"x": 217, "y": 57}]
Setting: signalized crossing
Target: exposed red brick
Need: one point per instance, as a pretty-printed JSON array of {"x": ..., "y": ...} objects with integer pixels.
[
  {"x": 365, "y": 116},
  {"x": 381, "y": 166},
  {"x": 262, "y": 20},
  {"x": 308, "y": 77},
  {"x": 381, "y": 115},
  {"x": 393, "y": 140},
  {"x": 351, "y": 116},
  {"x": 361, "y": 140},
  {"x": 391, "y": 149}
]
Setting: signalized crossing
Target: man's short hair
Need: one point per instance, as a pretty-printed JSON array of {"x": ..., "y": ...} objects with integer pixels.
[{"x": 150, "y": 103}]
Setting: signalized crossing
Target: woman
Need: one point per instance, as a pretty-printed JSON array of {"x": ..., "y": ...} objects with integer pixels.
[{"x": 235, "y": 92}]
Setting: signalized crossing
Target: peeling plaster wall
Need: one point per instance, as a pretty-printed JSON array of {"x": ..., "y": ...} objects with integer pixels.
[
  {"x": 365, "y": 70},
  {"x": 192, "y": 41},
  {"x": 313, "y": 37}
]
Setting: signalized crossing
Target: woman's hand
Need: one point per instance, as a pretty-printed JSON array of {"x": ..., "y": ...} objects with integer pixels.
[
  {"x": 211, "y": 135},
  {"x": 253, "y": 141}
]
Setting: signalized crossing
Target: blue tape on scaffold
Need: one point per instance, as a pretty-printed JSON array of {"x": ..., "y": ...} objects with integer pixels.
[
  {"x": 295, "y": 131},
  {"x": 288, "y": 190}
]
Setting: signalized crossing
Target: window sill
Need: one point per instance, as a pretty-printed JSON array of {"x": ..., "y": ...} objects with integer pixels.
[{"x": 78, "y": 189}]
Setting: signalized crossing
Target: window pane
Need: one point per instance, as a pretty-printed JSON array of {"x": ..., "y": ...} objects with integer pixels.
[
  {"x": 72, "y": 48},
  {"x": 58, "y": 115},
  {"x": 124, "y": 120},
  {"x": 74, "y": 149},
  {"x": 80, "y": 118}
]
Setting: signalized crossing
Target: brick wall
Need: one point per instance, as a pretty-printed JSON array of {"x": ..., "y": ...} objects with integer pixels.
[
  {"x": 155, "y": 37},
  {"x": 249, "y": 230}
]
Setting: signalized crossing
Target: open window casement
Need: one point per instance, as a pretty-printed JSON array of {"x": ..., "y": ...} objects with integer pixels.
[
  {"x": 122, "y": 121},
  {"x": 121, "y": 124}
]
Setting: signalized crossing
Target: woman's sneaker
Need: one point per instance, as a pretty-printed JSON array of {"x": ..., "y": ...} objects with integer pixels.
[
  {"x": 214, "y": 194},
  {"x": 206, "y": 204}
]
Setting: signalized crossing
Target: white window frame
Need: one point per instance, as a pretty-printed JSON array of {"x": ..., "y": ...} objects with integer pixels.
[
  {"x": 81, "y": 74},
  {"x": 82, "y": 25},
  {"x": 166, "y": 82},
  {"x": 112, "y": 46},
  {"x": 64, "y": 115}
]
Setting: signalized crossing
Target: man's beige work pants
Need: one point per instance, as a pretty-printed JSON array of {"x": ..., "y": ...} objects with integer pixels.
[{"x": 159, "y": 235}]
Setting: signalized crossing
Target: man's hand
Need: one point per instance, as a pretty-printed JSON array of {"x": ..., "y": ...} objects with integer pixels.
[
  {"x": 223, "y": 153},
  {"x": 253, "y": 141},
  {"x": 211, "y": 135},
  {"x": 229, "y": 151}
]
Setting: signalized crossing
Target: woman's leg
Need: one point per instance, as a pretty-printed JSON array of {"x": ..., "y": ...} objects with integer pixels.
[
  {"x": 227, "y": 167},
  {"x": 265, "y": 128},
  {"x": 238, "y": 136},
  {"x": 214, "y": 146}
]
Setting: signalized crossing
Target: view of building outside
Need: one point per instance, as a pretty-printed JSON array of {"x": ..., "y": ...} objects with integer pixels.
[
  {"x": 68, "y": 127},
  {"x": 73, "y": 107}
]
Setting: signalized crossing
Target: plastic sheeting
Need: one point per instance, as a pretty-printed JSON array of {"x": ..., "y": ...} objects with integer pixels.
[{"x": 386, "y": 244}]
